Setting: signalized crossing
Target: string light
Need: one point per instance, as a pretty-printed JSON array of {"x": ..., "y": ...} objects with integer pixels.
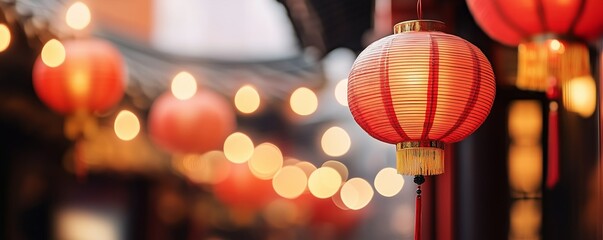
[
  {"x": 247, "y": 99},
  {"x": 126, "y": 125},
  {"x": 78, "y": 16},
  {"x": 53, "y": 53},
  {"x": 238, "y": 147},
  {"x": 388, "y": 182},
  {"x": 303, "y": 101},
  {"x": 4, "y": 37},
  {"x": 341, "y": 92},
  {"x": 356, "y": 193},
  {"x": 184, "y": 86},
  {"x": 335, "y": 142},
  {"x": 290, "y": 182},
  {"x": 324, "y": 182},
  {"x": 266, "y": 160}
]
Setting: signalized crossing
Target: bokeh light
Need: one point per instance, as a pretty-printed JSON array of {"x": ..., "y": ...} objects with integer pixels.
[
  {"x": 525, "y": 167},
  {"x": 388, "y": 182},
  {"x": 324, "y": 182},
  {"x": 238, "y": 147},
  {"x": 580, "y": 96},
  {"x": 4, "y": 37},
  {"x": 307, "y": 167},
  {"x": 78, "y": 16},
  {"x": 53, "y": 53},
  {"x": 86, "y": 224},
  {"x": 184, "y": 86},
  {"x": 556, "y": 46},
  {"x": 290, "y": 161},
  {"x": 356, "y": 193},
  {"x": 126, "y": 125},
  {"x": 290, "y": 182},
  {"x": 525, "y": 121},
  {"x": 335, "y": 142},
  {"x": 303, "y": 101},
  {"x": 282, "y": 213},
  {"x": 336, "y": 198},
  {"x": 526, "y": 219},
  {"x": 210, "y": 168},
  {"x": 341, "y": 92},
  {"x": 247, "y": 99},
  {"x": 266, "y": 160},
  {"x": 339, "y": 167}
]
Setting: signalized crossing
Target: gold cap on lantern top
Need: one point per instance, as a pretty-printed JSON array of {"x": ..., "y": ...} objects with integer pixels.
[
  {"x": 419, "y": 26},
  {"x": 420, "y": 157}
]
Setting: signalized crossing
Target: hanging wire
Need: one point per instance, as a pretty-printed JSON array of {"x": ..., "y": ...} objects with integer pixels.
[{"x": 419, "y": 9}]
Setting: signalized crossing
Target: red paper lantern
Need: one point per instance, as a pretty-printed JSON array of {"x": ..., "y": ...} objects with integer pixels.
[
  {"x": 195, "y": 125},
  {"x": 91, "y": 78},
  {"x": 244, "y": 191},
  {"x": 548, "y": 33},
  {"x": 420, "y": 89},
  {"x": 511, "y": 22}
]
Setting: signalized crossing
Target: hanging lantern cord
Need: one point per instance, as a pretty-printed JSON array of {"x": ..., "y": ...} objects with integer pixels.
[
  {"x": 419, "y": 9},
  {"x": 419, "y": 179}
]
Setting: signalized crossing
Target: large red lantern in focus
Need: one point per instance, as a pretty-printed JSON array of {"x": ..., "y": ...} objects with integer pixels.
[
  {"x": 90, "y": 79},
  {"x": 420, "y": 89},
  {"x": 196, "y": 123},
  {"x": 549, "y": 35}
]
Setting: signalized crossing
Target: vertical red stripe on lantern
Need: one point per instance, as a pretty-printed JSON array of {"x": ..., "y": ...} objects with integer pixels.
[
  {"x": 386, "y": 95},
  {"x": 475, "y": 87},
  {"x": 432, "y": 87}
]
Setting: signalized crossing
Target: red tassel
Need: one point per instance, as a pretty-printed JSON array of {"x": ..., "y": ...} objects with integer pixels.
[
  {"x": 553, "y": 147},
  {"x": 418, "y": 214}
]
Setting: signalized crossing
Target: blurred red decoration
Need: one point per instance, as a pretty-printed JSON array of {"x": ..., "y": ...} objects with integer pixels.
[
  {"x": 244, "y": 191},
  {"x": 195, "y": 125},
  {"x": 90, "y": 79},
  {"x": 420, "y": 88},
  {"x": 511, "y": 22},
  {"x": 326, "y": 216},
  {"x": 549, "y": 35}
]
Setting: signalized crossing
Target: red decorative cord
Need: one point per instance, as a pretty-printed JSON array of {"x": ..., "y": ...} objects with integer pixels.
[
  {"x": 553, "y": 147},
  {"x": 418, "y": 214},
  {"x": 553, "y": 93},
  {"x": 419, "y": 179},
  {"x": 419, "y": 10}
]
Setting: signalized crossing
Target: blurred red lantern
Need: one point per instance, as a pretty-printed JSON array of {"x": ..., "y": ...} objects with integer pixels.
[
  {"x": 91, "y": 77},
  {"x": 548, "y": 33},
  {"x": 242, "y": 190},
  {"x": 327, "y": 216},
  {"x": 194, "y": 125},
  {"x": 77, "y": 78},
  {"x": 419, "y": 89},
  {"x": 511, "y": 22}
]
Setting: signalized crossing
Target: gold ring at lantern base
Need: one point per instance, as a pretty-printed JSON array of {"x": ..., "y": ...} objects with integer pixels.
[
  {"x": 420, "y": 157},
  {"x": 419, "y": 26}
]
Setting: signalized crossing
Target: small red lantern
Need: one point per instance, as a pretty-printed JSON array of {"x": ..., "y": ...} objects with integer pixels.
[
  {"x": 420, "y": 89},
  {"x": 90, "y": 79},
  {"x": 78, "y": 78},
  {"x": 244, "y": 191},
  {"x": 193, "y": 125},
  {"x": 511, "y": 22},
  {"x": 549, "y": 35}
]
